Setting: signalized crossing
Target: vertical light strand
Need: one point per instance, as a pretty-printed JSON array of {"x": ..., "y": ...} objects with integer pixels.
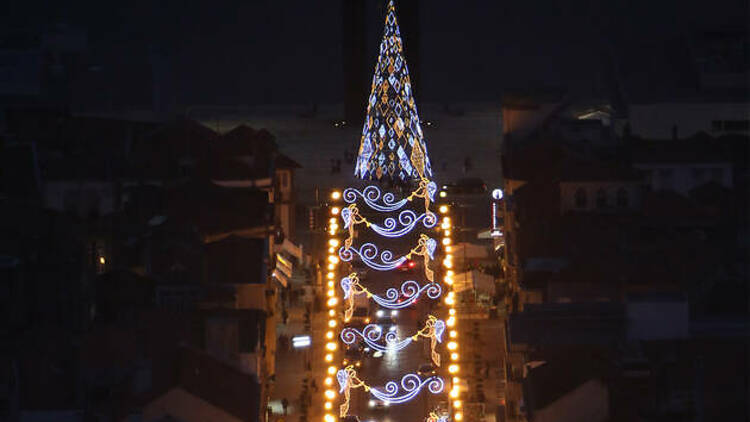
[
  {"x": 332, "y": 301},
  {"x": 446, "y": 228}
]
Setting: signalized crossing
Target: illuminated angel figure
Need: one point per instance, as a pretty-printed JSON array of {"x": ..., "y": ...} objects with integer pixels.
[
  {"x": 394, "y": 298},
  {"x": 426, "y": 247},
  {"x": 434, "y": 417},
  {"x": 347, "y": 379}
]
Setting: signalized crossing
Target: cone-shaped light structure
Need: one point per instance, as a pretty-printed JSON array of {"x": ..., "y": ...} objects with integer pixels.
[{"x": 392, "y": 144}]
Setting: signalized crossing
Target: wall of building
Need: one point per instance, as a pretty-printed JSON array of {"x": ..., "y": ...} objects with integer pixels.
[
  {"x": 82, "y": 198},
  {"x": 568, "y": 195},
  {"x": 185, "y": 407},
  {"x": 682, "y": 177},
  {"x": 588, "y": 402},
  {"x": 655, "y": 121}
]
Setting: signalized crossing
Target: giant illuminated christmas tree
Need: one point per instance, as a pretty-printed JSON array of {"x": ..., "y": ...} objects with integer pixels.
[{"x": 385, "y": 231}]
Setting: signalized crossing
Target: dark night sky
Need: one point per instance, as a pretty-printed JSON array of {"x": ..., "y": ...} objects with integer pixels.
[{"x": 274, "y": 51}]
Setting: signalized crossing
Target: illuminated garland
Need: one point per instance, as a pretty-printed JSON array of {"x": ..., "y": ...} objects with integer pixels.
[
  {"x": 409, "y": 293},
  {"x": 371, "y": 195},
  {"x": 407, "y": 218},
  {"x": 368, "y": 252},
  {"x": 411, "y": 385},
  {"x": 372, "y": 333}
]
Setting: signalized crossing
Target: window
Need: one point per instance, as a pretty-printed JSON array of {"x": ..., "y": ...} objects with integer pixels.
[
  {"x": 665, "y": 178},
  {"x": 601, "y": 198},
  {"x": 580, "y": 197},
  {"x": 736, "y": 125},
  {"x": 622, "y": 198},
  {"x": 717, "y": 174}
]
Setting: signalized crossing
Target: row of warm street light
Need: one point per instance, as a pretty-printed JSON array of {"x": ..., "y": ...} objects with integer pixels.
[{"x": 331, "y": 303}]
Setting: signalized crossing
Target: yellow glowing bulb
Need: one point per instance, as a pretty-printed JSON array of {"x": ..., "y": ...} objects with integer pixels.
[
  {"x": 448, "y": 263},
  {"x": 332, "y": 302},
  {"x": 328, "y": 418},
  {"x": 331, "y": 267},
  {"x": 454, "y": 356},
  {"x": 449, "y": 248},
  {"x": 443, "y": 209},
  {"x": 332, "y": 323},
  {"x": 102, "y": 260},
  {"x": 447, "y": 232},
  {"x": 446, "y": 220},
  {"x": 331, "y": 250},
  {"x": 452, "y": 345},
  {"x": 449, "y": 300},
  {"x": 332, "y": 220},
  {"x": 331, "y": 370},
  {"x": 328, "y": 405},
  {"x": 334, "y": 227},
  {"x": 329, "y": 357},
  {"x": 333, "y": 259},
  {"x": 330, "y": 284},
  {"x": 330, "y": 293},
  {"x": 331, "y": 313},
  {"x": 453, "y": 368},
  {"x": 443, "y": 194},
  {"x": 451, "y": 311},
  {"x": 458, "y": 416},
  {"x": 457, "y": 404},
  {"x": 335, "y": 194},
  {"x": 329, "y": 335},
  {"x": 330, "y": 275},
  {"x": 451, "y": 321},
  {"x": 331, "y": 346},
  {"x": 454, "y": 393},
  {"x": 333, "y": 242},
  {"x": 330, "y": 394},
  {"x": 450, "y": 273},
  {"x": 335, "y": 210},
  {"x": 332, "y": 232},
  {"x": 453, "y": 334},
  {"x": 446, "y": 241}
]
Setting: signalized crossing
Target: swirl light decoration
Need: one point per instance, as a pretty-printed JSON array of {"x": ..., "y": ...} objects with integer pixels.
[
  {"x": 371, "y": 195},
  {"x": 411, "y": 385},
  {"x": 372, "y": 333},
  {"x": 394, "y": 298},
  {"x": 368, "y": 252}
]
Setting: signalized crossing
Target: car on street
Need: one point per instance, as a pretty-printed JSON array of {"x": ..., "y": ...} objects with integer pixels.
[
  {"x": 378, "y": 405},
  {"x": 426, "y": 370}
]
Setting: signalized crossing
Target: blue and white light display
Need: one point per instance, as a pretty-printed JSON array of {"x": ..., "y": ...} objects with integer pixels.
[
  {"x": 410, "y": 386},
  {"x": 368, "y": 253},
  {"x": 372, "y": 334},
  {"x": 371, "y": 194},
  {"x": 394, "y": 298}
]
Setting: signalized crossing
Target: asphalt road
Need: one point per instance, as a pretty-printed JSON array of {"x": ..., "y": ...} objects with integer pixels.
[{"x": 392, "y": 366}]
